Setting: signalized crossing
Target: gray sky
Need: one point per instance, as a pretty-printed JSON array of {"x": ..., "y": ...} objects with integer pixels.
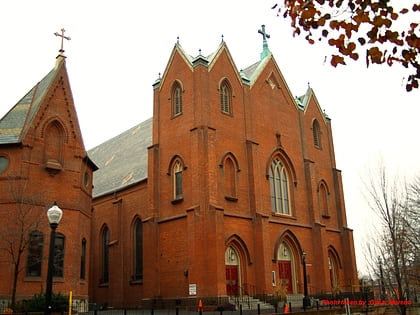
[{"x": 118, "y": 48}]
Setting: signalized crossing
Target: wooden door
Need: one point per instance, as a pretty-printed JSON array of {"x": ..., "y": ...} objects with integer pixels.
[
  {"x": 232, "y": 280},
  {"x": 285, "y": 275}
]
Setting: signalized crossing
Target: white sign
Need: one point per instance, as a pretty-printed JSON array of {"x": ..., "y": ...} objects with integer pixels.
[{"x": 193, "y": 289}]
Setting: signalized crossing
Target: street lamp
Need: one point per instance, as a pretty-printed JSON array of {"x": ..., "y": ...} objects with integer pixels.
[
  {"x": 54, "y": 215},
  {"x": 306, "y": 299}
]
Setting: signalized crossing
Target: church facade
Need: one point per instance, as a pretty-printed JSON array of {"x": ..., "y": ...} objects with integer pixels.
[
  {"x": 239, "y": 182},
  {"x": 227, "y": 190}
]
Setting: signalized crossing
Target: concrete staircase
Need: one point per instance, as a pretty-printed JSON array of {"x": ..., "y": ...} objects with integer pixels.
[
  {"x": 295, "y": 300},
  {"x": 249, "y": 303}
]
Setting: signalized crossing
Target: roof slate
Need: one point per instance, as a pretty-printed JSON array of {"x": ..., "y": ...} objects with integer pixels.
[
  {"x": 15, "y": 122},
  {"x": 122, "y": 160}
]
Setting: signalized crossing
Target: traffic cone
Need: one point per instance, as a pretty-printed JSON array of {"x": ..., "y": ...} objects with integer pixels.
[
  {"x": 286, "y": 308},
  {"x": 200, "y": 305}
]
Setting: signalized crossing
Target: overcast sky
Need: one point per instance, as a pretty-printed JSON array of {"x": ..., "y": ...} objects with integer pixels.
[{"x": 118, "y": 48}]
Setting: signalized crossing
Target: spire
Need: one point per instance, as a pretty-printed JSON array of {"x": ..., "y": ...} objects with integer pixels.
[{"x": 266, "y": 52}]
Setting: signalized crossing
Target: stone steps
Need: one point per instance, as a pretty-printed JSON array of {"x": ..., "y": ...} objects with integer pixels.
[{"x": 249, "y": 303}]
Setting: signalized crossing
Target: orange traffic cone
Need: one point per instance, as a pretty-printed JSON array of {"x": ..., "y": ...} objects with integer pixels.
[
  {"x": 200, "y": 305},
  {"x": 286, "y": 308}
]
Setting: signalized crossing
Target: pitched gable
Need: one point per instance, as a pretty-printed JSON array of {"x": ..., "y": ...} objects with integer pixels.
[
  {"x": 15, "y": 123},
  {"x": 49, "y": 99}
]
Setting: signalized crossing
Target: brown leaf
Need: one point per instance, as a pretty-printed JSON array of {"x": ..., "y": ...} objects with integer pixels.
[
  {"x": 375, "y": 54},
  {"x": 335, "y": 60}
]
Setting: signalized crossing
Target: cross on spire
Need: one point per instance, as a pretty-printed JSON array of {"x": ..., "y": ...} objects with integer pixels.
[
  {"x": 266, "y": 51},
  {"x": 62, "y": 40},
  {"x": 263, "y": 33}
]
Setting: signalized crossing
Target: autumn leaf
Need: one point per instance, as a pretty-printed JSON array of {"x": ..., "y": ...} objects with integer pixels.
[
  {"x": 335, "y": 60},
  {"x": 375, "y": 54}
]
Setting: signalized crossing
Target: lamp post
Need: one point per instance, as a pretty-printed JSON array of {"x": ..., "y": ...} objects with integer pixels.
[
  {"x": 54, "y": 215},
  {"x": 306, "y": 300}
]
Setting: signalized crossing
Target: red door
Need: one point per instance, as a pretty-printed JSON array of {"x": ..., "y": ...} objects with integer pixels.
[
  {"x": 285, "y": 275},
  {"x": 232, "y": 287}
]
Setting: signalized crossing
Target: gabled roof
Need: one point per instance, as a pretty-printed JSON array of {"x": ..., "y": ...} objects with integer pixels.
[
  {"x": 303, "y": 102},
  {"x": 122, "y": 160},
  {"x": 15, "y": 123}
]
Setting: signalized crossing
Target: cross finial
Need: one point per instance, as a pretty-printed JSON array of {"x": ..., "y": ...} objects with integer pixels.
[
  {"x": 266, "y": 51},
  {"x": 263, "y": 33},
  {"x": 62, "y": 40}
]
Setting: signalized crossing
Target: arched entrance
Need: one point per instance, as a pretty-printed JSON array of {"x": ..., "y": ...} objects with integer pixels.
[
  {"x": 232, "y": 263},
  {"x": 286, "y": 264}
]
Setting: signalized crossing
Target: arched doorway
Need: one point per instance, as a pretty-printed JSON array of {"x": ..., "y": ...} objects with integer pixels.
[
  {"x": 286, "y": 264},
  {"x": 232, "y": 263}
]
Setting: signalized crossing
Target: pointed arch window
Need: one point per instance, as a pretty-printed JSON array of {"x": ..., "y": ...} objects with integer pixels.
[
  {"x": 54, "y": 140},
  {"x": 177, "y": 180},
  {"x": 230, "y": 179},
  {"x": 176, "y": 99},
  {"x": 333, "y": 270},
  {"x": 279, "y": 188},
  {"x": 138, "y": 250},
  {"x": 226, "y": 97},
  {"x": 105, "y": 255},
  {"x": 34, "y": 256},
  {"x": 323, "y": 199},
  {"x": 316, "y": 132}
]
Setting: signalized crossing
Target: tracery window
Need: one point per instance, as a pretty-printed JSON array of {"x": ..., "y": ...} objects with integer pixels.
[
  {"x": 177, "y": 180},
  {"x": 279, "y": 188}
]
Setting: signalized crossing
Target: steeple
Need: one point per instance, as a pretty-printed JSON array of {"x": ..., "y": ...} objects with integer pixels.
[{"x": 266, "y": 52}]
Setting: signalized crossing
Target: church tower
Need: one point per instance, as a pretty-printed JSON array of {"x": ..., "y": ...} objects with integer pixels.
[{"x": 43, "y": 160}]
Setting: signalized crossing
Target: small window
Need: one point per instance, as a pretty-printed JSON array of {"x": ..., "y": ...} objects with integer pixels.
[
  {"x": 83, "y": 260},
  {"x": 4, "y": 163},
  {"x": 34, "y": 257},
  {"x": 225, "y": 97},
  {"x": 316, "y": 134},
  {"x": 177, "y": 177},
  {"x": 176, "y": 99}
]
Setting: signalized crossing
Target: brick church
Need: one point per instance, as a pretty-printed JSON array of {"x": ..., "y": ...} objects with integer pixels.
[{"x": 226, "y": 191}]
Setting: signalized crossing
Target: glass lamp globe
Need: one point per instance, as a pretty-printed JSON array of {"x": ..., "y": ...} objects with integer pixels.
[{"x": 54, "y": 214}]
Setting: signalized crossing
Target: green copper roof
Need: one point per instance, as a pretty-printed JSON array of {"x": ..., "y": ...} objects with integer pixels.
[{"x": 14, "y": 123}]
